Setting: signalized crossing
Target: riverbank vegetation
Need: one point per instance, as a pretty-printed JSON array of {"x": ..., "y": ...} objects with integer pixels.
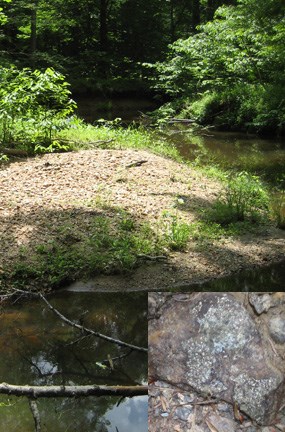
[
  {"x": 37, "y": 117},
  {"x": 218, "y": 62},
  {"x": 228, "y": 74},
  {"x": 222, "y": 68},
  {"x": 110, "y": 211}
]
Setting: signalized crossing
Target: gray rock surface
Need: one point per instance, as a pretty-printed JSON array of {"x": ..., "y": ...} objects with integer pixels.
[
  {"x": 261, "y": 303},
  {"x": 211, "y": 344},
  {"x": 277, "y": 328}
]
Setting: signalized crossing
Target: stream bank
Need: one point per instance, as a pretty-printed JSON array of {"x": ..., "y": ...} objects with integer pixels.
[{"x": 50, "y": 203}]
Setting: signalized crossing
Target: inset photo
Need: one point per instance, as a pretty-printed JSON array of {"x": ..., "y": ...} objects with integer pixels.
[
  {"x": 74, "y": 361},
  {"x": 216, "y": 362}
]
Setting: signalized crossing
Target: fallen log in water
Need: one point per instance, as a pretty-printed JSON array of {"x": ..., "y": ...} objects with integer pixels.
[{"x": 72, "y": 391}]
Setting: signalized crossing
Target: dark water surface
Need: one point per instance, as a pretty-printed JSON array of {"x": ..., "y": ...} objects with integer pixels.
[
  {"x": 127, "y": 108},
  {"x": 37, "y": 347},
  {"x": 271, "y": 278},
  {"x": 231, "y": 150}
]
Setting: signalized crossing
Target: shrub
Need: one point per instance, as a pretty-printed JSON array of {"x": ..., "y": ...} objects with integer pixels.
[
  {"x": 33, "y": 105},
  {"x": 244, "y": 198}
]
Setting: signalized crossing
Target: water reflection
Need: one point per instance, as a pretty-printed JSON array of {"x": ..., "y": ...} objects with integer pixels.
[
  {"x": 36, "y": 347},
  {"x": 260, "y": 279},
  {"x": 265, "y": 157},
  {"x": 126, "y": 108}
]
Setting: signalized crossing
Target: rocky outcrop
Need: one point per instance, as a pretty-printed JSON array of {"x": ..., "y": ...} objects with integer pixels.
[{"x": 218, "y": 346}]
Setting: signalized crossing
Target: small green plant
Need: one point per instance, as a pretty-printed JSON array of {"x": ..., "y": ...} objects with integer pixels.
[
  {"x": 176, "y": 232},
  {"x": 277, "y": 205},
  {"x": 54, "y": 147},
  {"x": 126, "y": 223},
  {"x": 4, "y": 158},
  {"x": 244, "y": 198}
]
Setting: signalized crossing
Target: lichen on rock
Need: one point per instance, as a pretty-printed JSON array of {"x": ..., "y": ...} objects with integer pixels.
[{"x": 212, "y": 344}]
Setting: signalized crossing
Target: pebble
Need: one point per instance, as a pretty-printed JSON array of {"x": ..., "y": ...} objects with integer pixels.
[
  {"x": 261, "y": 303},
  {"x": 182, "y": 413},
  {"x": 277, "y": 329},
  {"x": 222, "y": 424}
]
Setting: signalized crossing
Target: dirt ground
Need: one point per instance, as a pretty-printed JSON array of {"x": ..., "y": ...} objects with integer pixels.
[{"x": 39, "y": 193}]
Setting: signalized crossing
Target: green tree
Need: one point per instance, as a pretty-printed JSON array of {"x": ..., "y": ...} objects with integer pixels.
[
  {"x": 230, "y": 73},
  {"x": 33, "y": 105}
]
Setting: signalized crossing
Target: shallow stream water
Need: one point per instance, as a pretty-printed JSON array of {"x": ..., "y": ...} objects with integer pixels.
[{"x": 38, "y": 348}]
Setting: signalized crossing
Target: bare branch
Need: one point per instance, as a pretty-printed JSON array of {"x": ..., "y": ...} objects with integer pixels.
[
  {"x": 36, "y": 414},
  {"x": 72, "y": 391},
  {"x": 92, "y": 332},
  {"x": 82, "y": 328}
]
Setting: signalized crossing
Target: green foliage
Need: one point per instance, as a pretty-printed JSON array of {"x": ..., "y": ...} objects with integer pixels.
[
  {"x": 33, "y": 106},
  {"x": 54, "y": 147},
  {"x": 244, "y": 198},
  {"x": 116, "y": 137},
  {"x": 4, "y": 158},
  {"x": 206, "y": 232},
  {"x": 176, "y": 232},
  {"x": 231, "y": 69},
  {"x": 277, "y": 206}
]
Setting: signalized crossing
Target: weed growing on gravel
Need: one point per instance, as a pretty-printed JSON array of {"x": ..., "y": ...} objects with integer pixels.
[
  {"x": 107, "y": 245},
  {"x": 277, "y": 207},
  {"x": 244, "y": 198},
  {"x": 176, "y": 232}
]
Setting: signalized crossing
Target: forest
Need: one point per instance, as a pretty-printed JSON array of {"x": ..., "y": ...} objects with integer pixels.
[{"x": 217, "y": 62}]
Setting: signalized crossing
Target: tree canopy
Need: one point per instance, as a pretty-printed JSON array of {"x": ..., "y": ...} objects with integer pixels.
[
  {"x": 232, "y": 71},
  {"x": 222, "y": 61}
]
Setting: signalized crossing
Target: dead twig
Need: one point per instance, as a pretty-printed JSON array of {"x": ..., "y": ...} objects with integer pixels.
[
  {"x": 136, "y": 163},
  {"x": 72, "y": 390},
  {"x": 36, "y": 414},
  {"x": 82, "y": 328}
]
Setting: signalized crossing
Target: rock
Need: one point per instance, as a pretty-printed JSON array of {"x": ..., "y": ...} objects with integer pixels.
[
  {"x": 277, "y": 329},
  {"x": 261, "y": 303},
  {"x": 210, "y": 343},
  {"x": 182, "y": 413},
  {"x": 222, "y": 424}
]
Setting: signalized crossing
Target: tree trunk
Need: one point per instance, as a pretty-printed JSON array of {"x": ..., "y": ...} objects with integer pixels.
[
  {"x": 72, "y": 391},
  {"x": 196, "y": 18},
  {"x": 103, "y": 32},
  {"x": 210, "y": 9},
  {"x": 33, "y": 40},
  {"x": 172, "y": 24}
]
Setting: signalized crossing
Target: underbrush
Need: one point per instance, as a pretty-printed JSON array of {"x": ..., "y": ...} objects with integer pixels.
[
  {"x": 108, "y": 245},
  {"x": 114, "y": 242}
]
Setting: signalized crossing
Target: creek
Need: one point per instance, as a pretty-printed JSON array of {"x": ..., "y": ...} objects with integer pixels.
[
  {"x": 230, "y": 150},
  {"x": 38, "y": 348}
]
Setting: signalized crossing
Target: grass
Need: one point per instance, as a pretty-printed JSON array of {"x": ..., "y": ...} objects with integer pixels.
[
  {"x": 277, "y": 207},
  {"x": 111, "y": 243},
  {"x": 107, "y": 245},
  {"x": 86, "y": 136}
]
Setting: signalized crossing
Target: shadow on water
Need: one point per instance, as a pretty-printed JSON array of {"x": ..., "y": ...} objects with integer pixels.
[
  {"x": 271, "y": 278},
  {"x": 127, "y": 108},
  {"x": 36, "y": 347}
]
